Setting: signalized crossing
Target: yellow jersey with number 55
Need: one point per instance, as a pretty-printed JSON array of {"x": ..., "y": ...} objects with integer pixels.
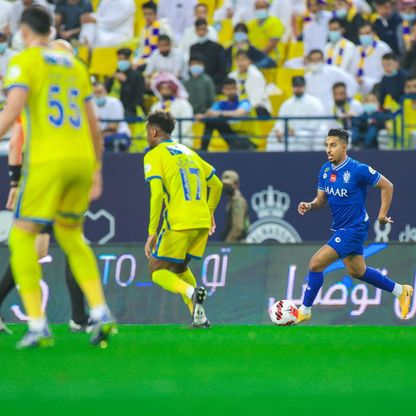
[
  {"x": 184, "y": 176},
  {"x": 54, "y": 117}
]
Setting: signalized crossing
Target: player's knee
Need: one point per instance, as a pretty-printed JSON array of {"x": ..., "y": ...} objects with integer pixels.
[
  {"x": 68, "y": 237},
  {"x": 356, "y": 273},
  {"x": 315, "y": 265}
]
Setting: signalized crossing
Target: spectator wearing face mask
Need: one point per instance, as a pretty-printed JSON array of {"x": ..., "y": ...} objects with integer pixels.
[
  {"x": 366, "y": 64},
  {"x": 393, "y": 80},
  {"x": 241, "y": 42},
  {"x": 213, "y": 53},
  {"x": 110, "y": 112},
  {"x": 351, "y": 18},
  {"x": 265, "y": 31},
  {"x": 339, "y": 51},
  {"x": 320, "y": 79},
  {"x": 302, "y": 134},
  {"x": 406, "y": 31},
  {"x": 127, "y": 84},
  {"x": 199, "y": 85}
]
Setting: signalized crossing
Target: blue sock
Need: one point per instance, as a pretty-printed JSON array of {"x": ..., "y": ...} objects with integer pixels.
[
  {"x": 375, "y": 278},
  {"x": 315, "y": 281}
]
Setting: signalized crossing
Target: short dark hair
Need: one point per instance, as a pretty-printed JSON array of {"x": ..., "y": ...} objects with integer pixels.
[
  {"x": 163, "y": 120},
  {"x": 365, "y": 24},
  {"x": 150, "y": 5},
  {"x": 339, "y": 85},
  {"x": 313, "y": 51},
  {"x": 201, "y": 22},
  {"x": 197, "y": 57},
  {"x": 342, "y": 135},
  {"x": 125, "y": 52},
  {"x": 229, "y": 81},
  {"x": 390, "y": 56},
  {"x": 411, "y": 77},
  {"x": 383, "y": 2},
  {"x": 205, "y": 6},
  {"x": 164, "y": 38},
  {"x": 242, "y": 53},
  {"x": 336, "y": 20},
  {"x": 241, "y": 27},
  {"x": 38, "y": 19}
]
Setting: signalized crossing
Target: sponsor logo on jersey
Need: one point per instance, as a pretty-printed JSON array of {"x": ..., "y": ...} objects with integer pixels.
[{"x": 341, "y": 192}]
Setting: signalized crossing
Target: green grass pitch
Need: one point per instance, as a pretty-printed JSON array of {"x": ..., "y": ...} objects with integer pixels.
[{"x": 227, "y": 370}]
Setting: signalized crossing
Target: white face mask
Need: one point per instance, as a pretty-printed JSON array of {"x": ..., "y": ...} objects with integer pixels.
[{"x": 315, "y": 67}]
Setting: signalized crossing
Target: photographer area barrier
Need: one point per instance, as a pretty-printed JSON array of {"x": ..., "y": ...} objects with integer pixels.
[{"x": 243, "y": 281}]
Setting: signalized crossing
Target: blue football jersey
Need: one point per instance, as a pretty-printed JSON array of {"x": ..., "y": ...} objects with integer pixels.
[{"x": 345, "y": 188}]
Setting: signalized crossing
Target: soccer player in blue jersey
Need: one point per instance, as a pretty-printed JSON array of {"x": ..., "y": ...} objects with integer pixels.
[{"x": 343, "y": 183}]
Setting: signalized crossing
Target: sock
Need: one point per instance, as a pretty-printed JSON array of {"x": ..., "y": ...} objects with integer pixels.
[
  {"x": 98, "y": 312},
  {"x": 171, "y": 282},
  {"x": 82, "y": 262},
  {"x": 37, "y": 325},
  {"x": 315, "y": 281},
  {"x": 188, "y": 277},
  {"x": 305, "y": 310},
  {"x": 76, "y": 297},
  {"x": 26, "y": 271},
  {"x": 375, "y": 278},
  {"x": 6, "y": 285},
  {"x": 398, "y": 290}
]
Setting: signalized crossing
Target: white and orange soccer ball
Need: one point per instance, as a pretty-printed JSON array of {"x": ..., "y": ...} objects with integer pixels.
[{"x": 283, "y": 312}]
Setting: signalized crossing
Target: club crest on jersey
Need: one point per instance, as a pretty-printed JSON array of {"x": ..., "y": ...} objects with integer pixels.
[
  {"x": 346, "y": 177},
  {"x": 333, "y": 177}
]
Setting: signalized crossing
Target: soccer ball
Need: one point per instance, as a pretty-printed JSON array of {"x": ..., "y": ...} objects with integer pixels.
[{"x": 283, "y": 312}]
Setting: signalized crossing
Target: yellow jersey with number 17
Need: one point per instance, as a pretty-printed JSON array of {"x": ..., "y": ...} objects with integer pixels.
[
  {"x": 54, "y": 117},
  {"x": 184, "y": 176}
]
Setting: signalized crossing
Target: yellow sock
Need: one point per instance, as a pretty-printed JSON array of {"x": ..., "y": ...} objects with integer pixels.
[
  {"x": 188, "y": 277},
  {"x": 82, "y": 262},
  {"x": 171, "y": 282},
  {"x": 27, "y": 271}
]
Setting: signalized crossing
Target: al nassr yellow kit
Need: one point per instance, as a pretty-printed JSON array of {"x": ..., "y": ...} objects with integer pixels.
[{"x": 59, "y": 158}]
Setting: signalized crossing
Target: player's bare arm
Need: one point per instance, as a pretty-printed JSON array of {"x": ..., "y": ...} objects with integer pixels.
[
  {"x": 318, "y": 203},
  {"x": 16, "y": 99},
  {"x": 386, "y": 188},
  {"x": 15, "y": 162}
]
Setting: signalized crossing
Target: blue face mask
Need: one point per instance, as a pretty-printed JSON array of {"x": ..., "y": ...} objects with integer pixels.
[
  {"x": 100, "y": 101},
  {"x": 408, "y": 16},
  {"x": 262, "y": 14},
  {"x": 341, "y": 13},
  {"x": 123, "y": 65},
  {"x": 334, "y": 36},
  {"x": 240, "y": 37},
  {"x": 370, "y": 108},
  {"x": 196, "y": 70},
  {"x": 366, "y": 40},
  {"x": 393, "y": 74},
  {"x": 3, "y": 47}
]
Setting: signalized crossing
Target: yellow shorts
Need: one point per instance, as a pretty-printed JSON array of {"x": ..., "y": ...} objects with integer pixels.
[
  {"x": 179, "y": 246},
  {"x": 57, "y": 190}
]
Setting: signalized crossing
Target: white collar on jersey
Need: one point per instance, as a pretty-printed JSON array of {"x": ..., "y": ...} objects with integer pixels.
[{"x": 342, "y": 164}]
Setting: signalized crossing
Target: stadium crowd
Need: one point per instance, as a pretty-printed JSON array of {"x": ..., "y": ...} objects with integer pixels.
[{"x": 349, "y": 63}]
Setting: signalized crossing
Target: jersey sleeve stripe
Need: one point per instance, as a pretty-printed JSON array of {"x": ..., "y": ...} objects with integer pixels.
[
  {"x": 22, "y": 86},
  {"x": 211, "y": 175},
  {"x": 320, "y": 188},
  {"x": 153, "y": 177},
  {"x": 377, "y": 180}
]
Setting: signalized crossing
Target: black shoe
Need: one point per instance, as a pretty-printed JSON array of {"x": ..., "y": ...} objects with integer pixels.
[{"x": 200, "y": 294}]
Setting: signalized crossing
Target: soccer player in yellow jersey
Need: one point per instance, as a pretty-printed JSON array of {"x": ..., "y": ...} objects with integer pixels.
[
  {"x": 179, "y": 179},
  {"x": 63, "y": 148}
]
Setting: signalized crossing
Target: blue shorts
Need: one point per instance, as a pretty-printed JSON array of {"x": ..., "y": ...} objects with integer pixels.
[{"x": 349, "y": 241}]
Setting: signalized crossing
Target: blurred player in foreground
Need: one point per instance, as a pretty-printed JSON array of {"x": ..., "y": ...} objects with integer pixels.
[
  {"x": 180, "y": 179},
  {"x": 79, "y": 321},
  {"x": 343, "y": 183},
  {"x": 62, "y": 162}
]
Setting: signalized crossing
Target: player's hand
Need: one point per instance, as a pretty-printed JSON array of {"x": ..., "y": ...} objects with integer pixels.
[
  {"x": 304, "y": 207},
  {"x": 97, "y": 186},
  {"x": 213, "y": 226},
  {"x": 385, "y": 220},
  {"x": 150, "y": 245},
  {"x": 11, "y": 198}
]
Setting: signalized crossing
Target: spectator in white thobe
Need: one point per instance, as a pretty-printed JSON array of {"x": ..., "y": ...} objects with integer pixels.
[
  {"x": 285, "y": 11},
  {"x": 303, "y": 135},
  {"x": 320, "y": 78},
  {"x": 367, "y": 61},
  {"x": 315, "y": 26},
  {"x": 190, "y": 36},
  {"x": 237, "y": 10},
  {"x": 5, "y": 14},
  {"x": 179, "y": 14},
  {"x": 110, "y": 25}
]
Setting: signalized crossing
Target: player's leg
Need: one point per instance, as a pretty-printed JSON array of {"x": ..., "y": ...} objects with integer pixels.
[
  {"x": 27, "y": 273},
  {"x": 6, "y": 286},
  {"x": 324, "y": 257},
  {"x": 358, "y": 269}
]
